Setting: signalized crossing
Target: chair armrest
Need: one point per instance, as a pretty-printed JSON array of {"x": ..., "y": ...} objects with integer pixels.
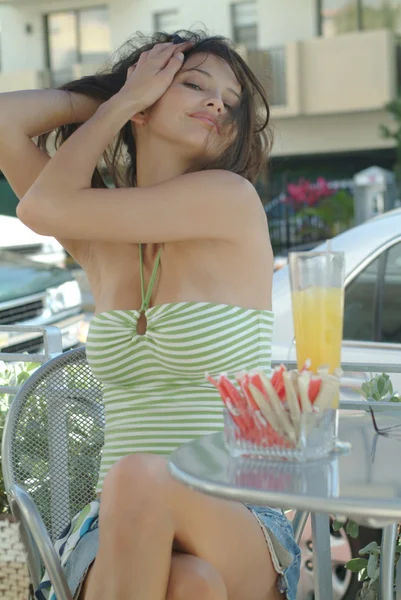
[{"x": 34, "y": 529}]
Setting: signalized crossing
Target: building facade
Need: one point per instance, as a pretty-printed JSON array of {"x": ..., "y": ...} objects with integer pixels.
[{"x": 329, "y": 66}]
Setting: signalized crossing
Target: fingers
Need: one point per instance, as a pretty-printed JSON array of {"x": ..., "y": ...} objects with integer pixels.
[
  {"x": 170, "y": 47},
  {"x": 167, "y": 51},
  {"x": 162, "y": 54},
  {"x": 174, "y": 64},
  {"x": 131, "y": 70}
]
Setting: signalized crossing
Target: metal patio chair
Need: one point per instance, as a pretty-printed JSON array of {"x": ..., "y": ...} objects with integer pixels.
[{"x": 51, "y": 457}]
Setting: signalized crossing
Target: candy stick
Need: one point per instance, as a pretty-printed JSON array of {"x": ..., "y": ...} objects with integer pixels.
[
  {"x": 292, "y": 401},
  {"x": 233, "y": 405},
  {"x": 314, "y": 388},
  {"x": 277, "y": 381},
  {"x": 237, "y": 399},
  {"x": 328, "y": 391},
  {"x": 278, "y": 408},
  {"x": 243, "y": 382},
  {"x": 307, "y": 365},
  {"x": 239, "y": 403},
  {"x": 265, "y": 408},
  {"x": 303, "y": 385}
]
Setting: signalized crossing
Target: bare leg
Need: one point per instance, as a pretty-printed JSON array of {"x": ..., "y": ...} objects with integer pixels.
[
  {"x": 145, "y": 514},
  {"x": 190, "y": 577}
]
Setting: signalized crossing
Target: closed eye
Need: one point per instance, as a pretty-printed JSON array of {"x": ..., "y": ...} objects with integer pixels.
[{"x": 194, "y": 86}]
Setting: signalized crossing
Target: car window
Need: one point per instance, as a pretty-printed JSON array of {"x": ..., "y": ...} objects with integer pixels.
[
  {"x": 360, "y": 303},
  {"x": 391, "y": 311}
]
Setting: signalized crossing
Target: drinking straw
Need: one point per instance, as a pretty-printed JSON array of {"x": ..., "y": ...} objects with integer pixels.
[{"x": 328, "y": 245}]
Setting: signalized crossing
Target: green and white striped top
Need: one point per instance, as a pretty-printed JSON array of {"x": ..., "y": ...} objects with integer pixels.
[{"x": 156, "y": 396}]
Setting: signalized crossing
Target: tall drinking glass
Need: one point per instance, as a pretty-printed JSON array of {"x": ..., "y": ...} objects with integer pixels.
[{"x": 317, "y": 294}]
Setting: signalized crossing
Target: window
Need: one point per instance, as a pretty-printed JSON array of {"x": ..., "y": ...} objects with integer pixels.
[
  {"x": 94, "y": 35},
  {"x": 341, "y": 16},
  {"x": 360, "y": 304},
  {"x": 166, "y": 21},
  {"x": 76, "y": 37},
  {"x": 245, "y": 24},
  {"x": 391, "y": 301}
]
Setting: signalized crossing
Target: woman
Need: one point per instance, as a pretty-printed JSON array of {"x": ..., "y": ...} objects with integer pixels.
[{"x": 180, "y": 264}]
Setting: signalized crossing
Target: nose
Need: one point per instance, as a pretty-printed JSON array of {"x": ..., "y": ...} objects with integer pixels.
[{"x": 215, "y": 102}]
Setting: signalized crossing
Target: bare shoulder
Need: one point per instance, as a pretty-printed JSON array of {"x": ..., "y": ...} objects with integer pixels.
[
  {"x": 234, "y": 192},
  {"x": 223, "y": 181}
]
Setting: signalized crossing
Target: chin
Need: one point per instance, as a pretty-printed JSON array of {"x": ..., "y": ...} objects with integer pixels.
[{"x": 204, "y": 144}]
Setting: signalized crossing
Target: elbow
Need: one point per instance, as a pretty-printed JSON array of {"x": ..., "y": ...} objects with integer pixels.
[{"x": 33, "y": 214}]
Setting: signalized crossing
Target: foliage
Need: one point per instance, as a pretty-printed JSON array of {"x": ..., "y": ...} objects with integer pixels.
[
  {"x": 335, "y": 211},
  {"x": 11, "y": 374},
  {"x": 383, "y": 16},
  {"x": 394, "y": 108},
  {"x": 380, "y": 389},
  {"x": 85, "y": 424}
]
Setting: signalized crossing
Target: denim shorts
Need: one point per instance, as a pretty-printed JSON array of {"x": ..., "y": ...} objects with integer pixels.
[{"x": 77, "y": 548}]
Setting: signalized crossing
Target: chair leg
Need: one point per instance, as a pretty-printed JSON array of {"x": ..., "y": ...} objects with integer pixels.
[
  {"x": 32, "y": 554},
  {"x": 33, "y": 527},
  {"x": 298, "y": 523},
  {"x": 387, "y": 561}
]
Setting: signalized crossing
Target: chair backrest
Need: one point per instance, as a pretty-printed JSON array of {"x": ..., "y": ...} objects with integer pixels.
[{"x": 53, "y": 438}]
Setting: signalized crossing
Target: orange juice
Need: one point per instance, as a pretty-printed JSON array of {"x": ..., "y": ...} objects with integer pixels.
[{"x": 318, "y": 325}]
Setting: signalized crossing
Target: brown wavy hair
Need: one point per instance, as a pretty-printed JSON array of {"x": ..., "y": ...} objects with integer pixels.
[{"x": 247, "y": 153}]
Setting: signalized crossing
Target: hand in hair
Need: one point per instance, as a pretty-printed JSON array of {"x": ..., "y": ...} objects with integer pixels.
[{"x": 154, "y": 72}]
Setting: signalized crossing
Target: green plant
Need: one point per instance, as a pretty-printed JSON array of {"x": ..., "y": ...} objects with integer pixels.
[
  {"x": 394, "y": 109},
  {"x": 11, "y": 374},
  {"x": 380, "y": 389},
  {"x": 336, "y": 212}
]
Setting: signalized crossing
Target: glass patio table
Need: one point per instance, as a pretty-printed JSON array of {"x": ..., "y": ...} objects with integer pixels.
[{"x": 363, "y": 484}]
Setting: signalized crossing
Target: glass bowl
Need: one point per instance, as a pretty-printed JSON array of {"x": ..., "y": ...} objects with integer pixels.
[{"x": 315, "y": 438}]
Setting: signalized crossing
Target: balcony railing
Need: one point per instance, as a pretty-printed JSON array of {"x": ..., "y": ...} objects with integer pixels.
[
  {"x": 320, "y": 76},
  {"x": 324, "y": 76},
  {"x": 270, "y": 68}
]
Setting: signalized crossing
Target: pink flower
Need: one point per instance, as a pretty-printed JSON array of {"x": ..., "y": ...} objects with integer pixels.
[{"x": 304, "y": 192}]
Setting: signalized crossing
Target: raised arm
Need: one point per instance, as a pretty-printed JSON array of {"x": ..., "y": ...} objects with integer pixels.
[
  {"x": 27, "y": 114},
  {"x": 213, "y": 204}
]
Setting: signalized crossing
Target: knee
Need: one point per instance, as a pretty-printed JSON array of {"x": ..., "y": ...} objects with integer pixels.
[
  {"x": 135, "y": 483},
  {"x": 199, "y": 582}
]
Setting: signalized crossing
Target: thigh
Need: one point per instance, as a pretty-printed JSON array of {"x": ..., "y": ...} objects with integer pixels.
[
  {"x": 190, "y": 577},
  {"x": 228, "y": 536},
  {"x": 223, "y": 533},
  {"x": 193, "y": 577}
]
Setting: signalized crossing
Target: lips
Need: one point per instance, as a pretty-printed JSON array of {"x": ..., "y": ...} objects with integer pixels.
[{"x": 206, "y": 118}]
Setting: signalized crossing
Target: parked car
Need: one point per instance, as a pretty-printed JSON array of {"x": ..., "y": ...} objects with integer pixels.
[
  {"x": 372, "y": 334},
  {"x": 17, "y": 237},
  {"x": 281, "y": 258},
  {"x": 372, "y": 308},
  {"x": 32, "y": 293}
]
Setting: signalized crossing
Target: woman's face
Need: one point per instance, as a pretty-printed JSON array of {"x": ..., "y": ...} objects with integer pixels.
[{"x": 191, "y": 113}]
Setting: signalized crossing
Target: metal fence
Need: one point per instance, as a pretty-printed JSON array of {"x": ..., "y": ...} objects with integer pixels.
[{"x": 287, "y": 228}]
